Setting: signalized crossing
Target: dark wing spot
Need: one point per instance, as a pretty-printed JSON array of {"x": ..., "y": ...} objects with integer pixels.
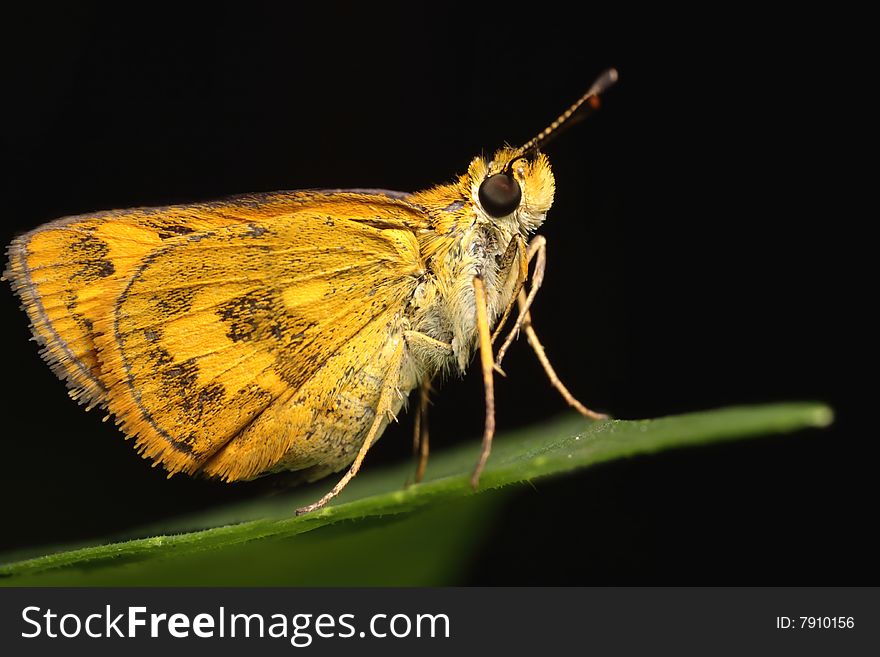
[
  {"x": 159, "y": 356},
  {"x": 186, "y": 444},
  {"x": 244, "y": 315},
  {"x": 206, "y": 400},
  {"x": 91, "y": 252},
  {"x": 181, "y": 377},
  {"x": 173, "y": 230}
]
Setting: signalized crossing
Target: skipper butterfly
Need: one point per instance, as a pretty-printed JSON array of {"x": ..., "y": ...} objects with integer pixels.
[{"x": 282, "y": 331}]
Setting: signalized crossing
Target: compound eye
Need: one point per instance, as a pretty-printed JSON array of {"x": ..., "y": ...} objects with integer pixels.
[{"x": 499, "y": 195}]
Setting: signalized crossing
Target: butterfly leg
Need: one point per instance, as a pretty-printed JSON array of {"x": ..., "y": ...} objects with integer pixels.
[
  {"x": 538, "y": 348},
  {"x": 431, "y": 353},
  {"x": 420, "y": 430},
  {"x": 487, "y": 362},
  {"x": 516, "y": 250},
  {"x": 537, "y": 251},
  {"x": 383, "y": 407}
]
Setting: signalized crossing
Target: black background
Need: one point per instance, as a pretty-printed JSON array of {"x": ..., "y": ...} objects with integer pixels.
[{"x": 702, "y": 250}]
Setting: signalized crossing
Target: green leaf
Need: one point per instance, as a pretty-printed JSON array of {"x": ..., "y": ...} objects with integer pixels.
[{"x": 262, "y": 542}]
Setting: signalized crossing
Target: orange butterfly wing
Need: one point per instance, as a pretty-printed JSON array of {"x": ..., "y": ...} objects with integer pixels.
[{"x": 233, "y": 337}]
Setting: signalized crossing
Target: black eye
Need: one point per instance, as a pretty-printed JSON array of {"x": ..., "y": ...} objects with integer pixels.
[{"x": 499, "y": 195}]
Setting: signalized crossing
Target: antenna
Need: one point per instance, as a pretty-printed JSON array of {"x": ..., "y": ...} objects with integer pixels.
[{"x": 605, "y": 80}]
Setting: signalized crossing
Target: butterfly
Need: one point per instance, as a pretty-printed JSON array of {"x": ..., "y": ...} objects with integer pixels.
[{"x": 283, "y": 331}]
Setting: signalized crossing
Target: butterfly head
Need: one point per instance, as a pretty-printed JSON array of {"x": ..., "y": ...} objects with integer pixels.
[{"x": 512, "y": 188}]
